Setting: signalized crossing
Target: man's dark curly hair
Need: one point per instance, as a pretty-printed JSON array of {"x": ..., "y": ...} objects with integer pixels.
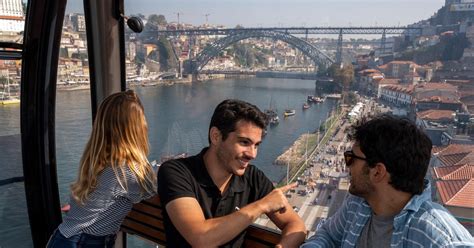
[
  {"x": 397, "y": 143},
  {"x": 230, "y": 111}
]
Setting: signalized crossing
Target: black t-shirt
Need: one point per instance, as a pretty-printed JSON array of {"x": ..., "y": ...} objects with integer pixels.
[{"x": 188, "y": 177}]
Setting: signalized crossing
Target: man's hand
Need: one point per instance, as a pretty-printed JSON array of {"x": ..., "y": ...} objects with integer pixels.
[{"x": 276, "y": 200}]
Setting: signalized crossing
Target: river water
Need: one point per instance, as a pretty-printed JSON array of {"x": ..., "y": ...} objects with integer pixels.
[{"x": 178, "y": 120}]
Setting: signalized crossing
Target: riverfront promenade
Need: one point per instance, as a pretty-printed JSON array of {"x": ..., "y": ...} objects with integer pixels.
[
  {"x": 322, "y": 185},
  {"x": 324, "y": 182}
]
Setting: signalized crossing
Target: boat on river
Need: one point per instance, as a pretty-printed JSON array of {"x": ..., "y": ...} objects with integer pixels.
[
  {"x": 6, "y": 100},
  {"x": 289, "y": 112},
  {"x": 306, "y": 106}
]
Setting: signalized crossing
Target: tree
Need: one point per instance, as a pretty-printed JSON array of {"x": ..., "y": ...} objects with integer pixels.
[
  {"x": 154, "y": 22},
  {"x": 245, "y": 55},
  {"x": 3, "y": 80},
  {"x": 141, "y": 16},
  {"x": 322, "y": 70},
  {"x": 343, "y": 75},
  {"x": 166, "y": 56}
]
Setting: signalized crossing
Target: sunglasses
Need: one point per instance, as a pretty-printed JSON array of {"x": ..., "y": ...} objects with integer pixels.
[{"x": 349, "y": 158}]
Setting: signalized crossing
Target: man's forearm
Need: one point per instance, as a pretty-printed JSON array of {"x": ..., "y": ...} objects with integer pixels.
[
  {"x": 218, "y": 231},
  {"x": 293, "y": 234}
]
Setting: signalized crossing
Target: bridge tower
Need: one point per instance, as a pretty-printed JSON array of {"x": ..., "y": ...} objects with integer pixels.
[
  {"x": 383, "y": 42},
  {"x": 339, "y": 48}
]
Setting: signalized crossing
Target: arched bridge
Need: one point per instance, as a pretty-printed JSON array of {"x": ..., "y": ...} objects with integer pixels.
[
  {"x": 285, "y": 34},
  {"x": 212, "y": 50}
]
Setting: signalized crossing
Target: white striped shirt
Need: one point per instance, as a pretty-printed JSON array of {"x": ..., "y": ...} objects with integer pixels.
[{"x": 106, "y": 207}]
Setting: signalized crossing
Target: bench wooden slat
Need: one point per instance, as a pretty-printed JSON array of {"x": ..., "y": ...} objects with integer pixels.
[
  {"x": 148, "y": 209},
  {"x": 157, "y": 223},
  {"x": 255, "y": 244},
  {"x": 146, "y": 220},
  {"x": 154, "y": 200},
  {"x": 155, "y": 235}
]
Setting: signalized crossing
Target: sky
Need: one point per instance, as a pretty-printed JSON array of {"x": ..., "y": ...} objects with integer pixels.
[{"x": 284, "y": 13}]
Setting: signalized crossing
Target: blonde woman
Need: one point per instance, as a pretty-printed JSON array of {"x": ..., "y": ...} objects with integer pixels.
[{"x": 114, "y": 174}]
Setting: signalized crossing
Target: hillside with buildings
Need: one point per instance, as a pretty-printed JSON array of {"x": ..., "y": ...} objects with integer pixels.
[{"x": 431, "y": 81}]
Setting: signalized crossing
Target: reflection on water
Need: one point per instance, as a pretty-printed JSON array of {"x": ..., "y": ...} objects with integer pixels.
[{"x": 178, "y": 120}]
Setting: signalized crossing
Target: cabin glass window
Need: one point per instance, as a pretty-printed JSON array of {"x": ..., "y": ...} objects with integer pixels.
[{"x": 73, "y": 100}]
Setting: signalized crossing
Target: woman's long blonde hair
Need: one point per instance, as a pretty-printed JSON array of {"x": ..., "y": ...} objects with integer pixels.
[{"x": 119, "y": 139}]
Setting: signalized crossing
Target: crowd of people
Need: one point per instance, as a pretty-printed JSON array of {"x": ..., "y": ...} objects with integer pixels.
[{"x": 209, "y": 199}]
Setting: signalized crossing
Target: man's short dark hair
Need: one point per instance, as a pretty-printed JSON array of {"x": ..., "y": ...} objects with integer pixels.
[
  {"x": 230, "y": 111},
  {"x": 397, "y": 143}
]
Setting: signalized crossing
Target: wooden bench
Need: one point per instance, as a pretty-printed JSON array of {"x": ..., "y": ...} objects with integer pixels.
[{"x": 145, "y": 220}]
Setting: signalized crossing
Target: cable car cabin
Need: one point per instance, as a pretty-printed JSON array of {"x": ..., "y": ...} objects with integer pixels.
[{"x": 32, "y": 143}]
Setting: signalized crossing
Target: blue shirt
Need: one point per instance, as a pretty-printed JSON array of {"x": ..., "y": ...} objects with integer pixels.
[{"x": 421, "y": 223}]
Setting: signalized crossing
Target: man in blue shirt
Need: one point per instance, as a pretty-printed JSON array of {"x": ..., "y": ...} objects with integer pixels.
[{"x": 389, "y": 204}]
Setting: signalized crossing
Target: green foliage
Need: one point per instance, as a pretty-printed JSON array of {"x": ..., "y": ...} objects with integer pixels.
[
  {"x": 81, "y": 56},
  {"x": 244, "y": 55},
  {"x": 3, "y": 80},
  {"x": 454, "y": 47},
  {"x": 140, "y": 56},
  {"x": 166, "y": 57},
  {"x": 248, "y": 56},
  {"x": 351, "y": 98},
  {"x": 63, "y": 52},
  {"x": 155, "y": 21},
  {"x": 344, "y": 75},
  {"x": 322, "y": 128},
  {"x": 322, "y": 70}
]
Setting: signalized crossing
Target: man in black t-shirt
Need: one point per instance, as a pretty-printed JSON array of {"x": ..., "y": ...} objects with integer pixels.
[{"x": 211, "y": 198}]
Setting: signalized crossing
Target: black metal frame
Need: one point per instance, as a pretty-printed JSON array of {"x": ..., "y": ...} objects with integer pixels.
[
  {"x": 40, "y": 54},
  {"x": 106, "y": 48},
  {"x": 42, "y": 36}
]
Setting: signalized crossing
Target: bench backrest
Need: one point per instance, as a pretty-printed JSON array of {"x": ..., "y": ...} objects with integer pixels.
[{"x": 146, "y": 221}]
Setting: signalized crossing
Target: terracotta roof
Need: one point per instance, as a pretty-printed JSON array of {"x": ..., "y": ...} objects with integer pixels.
[
  {"x": 455, "y": 172},
  {"x": 441, "y": 171},
  {"x": 400, "y": 88},
  {"x": 458, "y": 81},
  {"x": 468, "y": 159},
  {"x": 437, "y": 149},
  {"x": 456, "y": 149},
  {"x": 436, "y": 86},
  {"x": 369, "y": 71},
  {"x": 16, "y": 18},
  {"x": 374, "y": 75},
  {"x": 452, "y": 159},
  {"x": 458, "y": 193},
  {"x": 413, "y": 74},
  {"x": 442, "y": 99},
  {"x": 454, "y": 154},
  {"x": 390, "y": 81},
  {"x": 402, "y": 62},
  {"x": 435, "y": 114}
]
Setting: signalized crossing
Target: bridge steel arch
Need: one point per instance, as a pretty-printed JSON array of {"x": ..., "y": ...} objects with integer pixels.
[{"x": 213, "y": 49}]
